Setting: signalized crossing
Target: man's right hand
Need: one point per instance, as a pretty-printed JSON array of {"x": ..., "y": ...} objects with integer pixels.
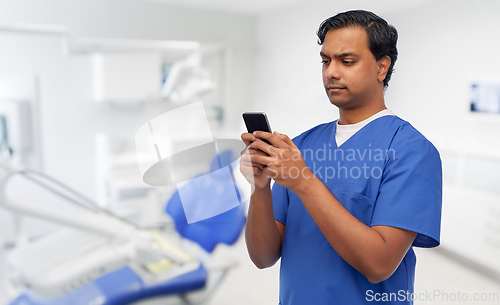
[{"x": 253, "y": 171}]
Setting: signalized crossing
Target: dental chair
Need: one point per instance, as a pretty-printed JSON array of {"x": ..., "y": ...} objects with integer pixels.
[{"x": 100, "y": 259}]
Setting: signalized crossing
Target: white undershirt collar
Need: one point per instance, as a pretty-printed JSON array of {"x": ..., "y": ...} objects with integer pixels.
[{"x": 344, "y": 132}]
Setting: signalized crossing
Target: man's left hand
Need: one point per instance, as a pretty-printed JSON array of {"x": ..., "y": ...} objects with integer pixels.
[{"x": 285, "y": 163}]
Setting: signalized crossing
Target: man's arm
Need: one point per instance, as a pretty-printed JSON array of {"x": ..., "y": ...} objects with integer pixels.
[
  {"x": 376, "y": 252},
  {"x": 263, "y": 234}
]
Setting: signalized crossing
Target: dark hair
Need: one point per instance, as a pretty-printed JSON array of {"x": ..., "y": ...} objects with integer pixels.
[{"x": 382, "y": 37}]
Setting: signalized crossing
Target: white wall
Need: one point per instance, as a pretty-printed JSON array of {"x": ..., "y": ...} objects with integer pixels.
[
  {"x": 69, "y": 117},
  {"x": 442, "y": 47}
]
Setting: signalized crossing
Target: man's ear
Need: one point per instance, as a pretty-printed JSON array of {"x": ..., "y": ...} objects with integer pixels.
[{"x": 383, "y": 66}]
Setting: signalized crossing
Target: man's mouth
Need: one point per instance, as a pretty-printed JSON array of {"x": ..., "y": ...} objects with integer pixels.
[{"x": 335, "y": 88}]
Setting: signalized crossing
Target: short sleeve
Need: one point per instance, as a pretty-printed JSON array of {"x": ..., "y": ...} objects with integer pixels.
[
  {"x": 410, "y": 195},
  {"x": 280, "y": 202}
]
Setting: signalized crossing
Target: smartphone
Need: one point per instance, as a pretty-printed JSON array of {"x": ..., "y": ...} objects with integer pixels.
[{"x": 257, "y": 121}]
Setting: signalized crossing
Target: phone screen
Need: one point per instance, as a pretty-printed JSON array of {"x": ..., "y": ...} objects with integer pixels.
[{"x": 257, "y": 121}]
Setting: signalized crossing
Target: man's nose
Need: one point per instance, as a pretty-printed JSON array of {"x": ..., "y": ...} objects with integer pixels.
[{"x": 332, "y": 71}]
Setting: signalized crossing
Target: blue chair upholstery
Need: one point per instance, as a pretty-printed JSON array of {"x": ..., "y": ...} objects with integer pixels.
[
  {"x": 223, "y": 228},
  {"x": 120, "y": 287}
]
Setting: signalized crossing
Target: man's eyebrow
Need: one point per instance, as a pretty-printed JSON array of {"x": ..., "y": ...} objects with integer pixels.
[{"x": 345, "y": 54}]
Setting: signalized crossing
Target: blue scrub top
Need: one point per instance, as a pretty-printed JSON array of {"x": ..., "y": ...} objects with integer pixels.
[{"x": 385, "y": 174}]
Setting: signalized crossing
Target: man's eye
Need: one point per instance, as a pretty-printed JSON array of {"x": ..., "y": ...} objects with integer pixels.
[
  {"x": 325, "y": 61},
  {"x": 348, "y": 62}
]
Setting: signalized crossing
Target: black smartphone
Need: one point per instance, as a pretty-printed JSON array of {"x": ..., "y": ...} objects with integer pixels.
[{"x": 257, "y": 121}]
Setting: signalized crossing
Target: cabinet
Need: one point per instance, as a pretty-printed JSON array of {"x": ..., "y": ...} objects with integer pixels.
[
  {"x": 126, "y": 77},
  {"x": 471, "y": 207}
]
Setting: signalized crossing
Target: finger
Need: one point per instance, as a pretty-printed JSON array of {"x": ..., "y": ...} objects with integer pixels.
[
  {"x": 250, "y": 150},
  {"x": 258, "y": 151},
  {"x": 247, "y": 162},
  {"x": 251, "y": 170},
  {"x": 285, "y": 139},
  {"x": 247, "y": 138},
  {"x": 261, "y": 147},
  {"x": 272, "y": 138},
  {"x": 264, "y": 160},
  {"x": 269, "y": 150},
  {"x": 246, "y": 151},
  {"x": 255, "y": 151},
  {"x": 246, "y": 156},
  {"x": 250, "y": 158},
  {"x": 275, "y": 154}
]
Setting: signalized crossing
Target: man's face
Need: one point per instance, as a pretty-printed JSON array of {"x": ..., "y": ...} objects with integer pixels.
[{"x": 350, "y": 71}]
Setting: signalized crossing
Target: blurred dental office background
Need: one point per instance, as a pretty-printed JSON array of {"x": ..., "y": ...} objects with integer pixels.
[{"x": 79, "y": 78}]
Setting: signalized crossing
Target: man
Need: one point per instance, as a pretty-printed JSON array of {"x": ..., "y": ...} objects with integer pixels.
[{"x": 353, "y": 196}]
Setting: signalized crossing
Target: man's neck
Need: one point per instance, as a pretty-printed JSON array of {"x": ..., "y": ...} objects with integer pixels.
[{"x": 353, "y": 116}]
